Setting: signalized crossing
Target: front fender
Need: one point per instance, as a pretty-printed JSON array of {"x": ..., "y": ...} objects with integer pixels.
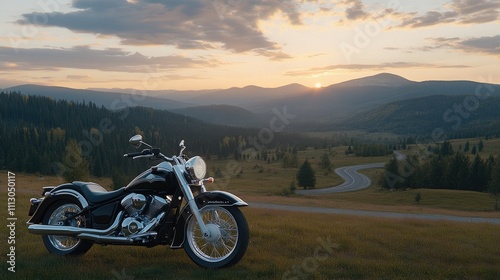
[
  {"x": 217, "y": 198},
  {"x": 62, "y": 192}
]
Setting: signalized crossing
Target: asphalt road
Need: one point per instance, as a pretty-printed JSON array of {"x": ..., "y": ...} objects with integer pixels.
[
  {"x": 378, "y": 214},
  {"x": 354, "y": 181}
]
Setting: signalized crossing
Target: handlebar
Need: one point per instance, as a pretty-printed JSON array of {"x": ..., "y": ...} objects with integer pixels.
[
  {"x": 143, "y": 153},
  {"x": 149, "y": 153}
]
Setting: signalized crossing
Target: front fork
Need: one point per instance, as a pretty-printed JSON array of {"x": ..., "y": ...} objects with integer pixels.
[{"x": 188, "y": 194}]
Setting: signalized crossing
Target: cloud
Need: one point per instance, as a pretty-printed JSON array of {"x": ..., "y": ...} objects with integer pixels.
[
  {"x": 430, "y": 18},
  {"x": 83, "y": 57},
  {"x": 476, "y": 11},
  {"x": 355, "y": 10},
  {"x": 359, "y": 67},
  {"x": 459, "y": 12},
  {"x": 273, "y": 55},
  {"x": 77, "y": 77},
  {"x": 189, "y": 24},
  {"x": 483, "y": 45}
]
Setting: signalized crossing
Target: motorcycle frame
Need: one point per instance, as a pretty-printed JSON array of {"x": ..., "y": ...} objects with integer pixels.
[{"x": 171, "y": 229}]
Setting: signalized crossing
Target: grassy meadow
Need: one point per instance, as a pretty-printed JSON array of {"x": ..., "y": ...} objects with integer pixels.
[
  {"x": 286, "y": 245},
  {"x": 292, "y": 245}
]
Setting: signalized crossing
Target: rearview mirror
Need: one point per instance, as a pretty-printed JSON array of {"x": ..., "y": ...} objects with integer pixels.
[{"x": 136, "y": 140}]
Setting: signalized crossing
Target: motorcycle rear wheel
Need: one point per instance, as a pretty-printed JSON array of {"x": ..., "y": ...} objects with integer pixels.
[
  {"x": 64, "y": 245},
  {"x": 229, "y": 241}
]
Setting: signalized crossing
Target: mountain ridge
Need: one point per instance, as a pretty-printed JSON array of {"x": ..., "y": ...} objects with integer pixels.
[
  {"x": 110, "y": 100},
  {"x": 382, "y": 79},
  {"x": 255, "y": 104},
  {"x": 424, "y": 115},
  {"x": 223, "y": 115}
]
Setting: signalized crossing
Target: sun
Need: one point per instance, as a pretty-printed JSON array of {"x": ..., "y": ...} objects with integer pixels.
[{"x": 317, "y": 85}]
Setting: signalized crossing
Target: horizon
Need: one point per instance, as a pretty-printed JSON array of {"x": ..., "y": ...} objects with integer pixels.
[
  {"x": 223, "y": 44},
  {"x": 314, "y": 87}
]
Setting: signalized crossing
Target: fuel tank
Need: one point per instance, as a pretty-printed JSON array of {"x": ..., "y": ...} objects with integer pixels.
[{"x": 159, "y": 178}]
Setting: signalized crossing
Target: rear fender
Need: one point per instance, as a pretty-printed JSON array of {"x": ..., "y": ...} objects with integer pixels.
[
  {"x": 55, "y": 195},
  {"x": 216, "y": 198}
]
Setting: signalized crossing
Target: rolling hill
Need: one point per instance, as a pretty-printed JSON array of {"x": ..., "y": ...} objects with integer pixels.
[
  {"x": 382, "y": 79},
  {"x": 456, "y": 116},
  {"x": 223, "y": 115},
  {"x": 338, "y": 101},
  {"x": 110, "y": 100},
  {"x": 315, "y": 109},
  {"x": 248, "y": 95}
]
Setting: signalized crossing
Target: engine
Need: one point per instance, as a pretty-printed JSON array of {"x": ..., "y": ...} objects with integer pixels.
[{"x": 144, "y": 213}]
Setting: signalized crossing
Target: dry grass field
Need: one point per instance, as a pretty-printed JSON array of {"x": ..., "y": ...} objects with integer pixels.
[{"x": 290, "y": 245}]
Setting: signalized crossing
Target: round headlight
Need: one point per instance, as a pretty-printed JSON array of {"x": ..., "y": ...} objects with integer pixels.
[{"x": 196, "y": 167}]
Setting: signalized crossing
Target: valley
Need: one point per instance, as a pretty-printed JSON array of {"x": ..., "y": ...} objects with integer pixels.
[{"x": 254, "y": 150}]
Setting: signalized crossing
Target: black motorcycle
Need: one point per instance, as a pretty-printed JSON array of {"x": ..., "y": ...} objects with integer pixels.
[{"x": 165, "y": 205}]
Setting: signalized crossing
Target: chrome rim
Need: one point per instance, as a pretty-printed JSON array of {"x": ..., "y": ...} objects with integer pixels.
[
  {"x": 221, "y": 247},
  {"x": 58, "y": 218}
]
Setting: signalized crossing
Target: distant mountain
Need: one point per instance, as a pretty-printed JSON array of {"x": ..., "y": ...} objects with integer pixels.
[
  {"x": 382, "y": 79},
  {"x": 456, "y": 116},
  {"x": 179, "y": 95},
  {"x": 249, "y": 94},
  {"x": 110, "y": 100},
  {"x": 313, "y": 108},
  {"x": 223, "y": 115},
  {"x": 336, "y": 102}
]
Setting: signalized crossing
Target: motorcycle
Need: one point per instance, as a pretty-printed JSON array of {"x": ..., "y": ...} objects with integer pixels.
[{"x": 167, "y": 204}]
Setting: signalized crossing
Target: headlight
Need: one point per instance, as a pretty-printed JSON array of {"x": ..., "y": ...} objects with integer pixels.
[{"x": 196, "y": 167}]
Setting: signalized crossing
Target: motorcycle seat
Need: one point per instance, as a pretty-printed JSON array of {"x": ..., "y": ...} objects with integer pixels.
[{"x": 95, "y": 193}]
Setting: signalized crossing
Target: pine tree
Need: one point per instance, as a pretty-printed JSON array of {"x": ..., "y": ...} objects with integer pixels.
[
  {"x": 479, "y": 175},
  {"x": 286, "y": 161},
  {"x": 457, "y": 174},
  {"x": 325, "y": 162},
  {"x": 437, "y": 166},
  {"x": 446, "y": 149},
  {"x": 305, "y": 176},
  {"x": 466, "y": 147},
  {"x": 494, "y": 186},
  {"x": 391, "y": 179},
  {"x": 480, "y": 146},
  {"x": 76, "y": 167},
  {"x": 294, "y": 161}
]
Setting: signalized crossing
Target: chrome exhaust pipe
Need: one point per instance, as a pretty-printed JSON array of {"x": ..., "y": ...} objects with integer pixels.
[
  {"x": 115, "y": 239},
  {"x": 73, "y": 231},
  {"x": 105, "y": 239}
]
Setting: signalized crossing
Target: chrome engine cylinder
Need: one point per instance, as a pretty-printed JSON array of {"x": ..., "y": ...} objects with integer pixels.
[
  {"x": 157, "y": 203},
  {"x": 134, "y": 203}
]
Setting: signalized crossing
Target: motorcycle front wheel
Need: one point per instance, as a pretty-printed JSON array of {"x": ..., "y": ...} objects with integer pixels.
[{"x": 228, "y": 241}]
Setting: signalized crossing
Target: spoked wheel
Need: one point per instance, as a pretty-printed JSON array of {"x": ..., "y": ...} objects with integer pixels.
[
  {"x": 228, "y": 241},
  {"x": 57, "y": 215}
]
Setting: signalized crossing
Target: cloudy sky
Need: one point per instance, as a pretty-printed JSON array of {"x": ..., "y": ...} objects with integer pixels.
[{"x": 202, "y": 44}]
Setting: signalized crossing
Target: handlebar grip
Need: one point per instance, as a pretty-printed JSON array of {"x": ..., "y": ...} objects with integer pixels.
[
  {"x": 132, "y": 154},
  {"x": 144, "y": 152}
]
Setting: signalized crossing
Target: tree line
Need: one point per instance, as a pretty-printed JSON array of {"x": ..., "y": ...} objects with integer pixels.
[
  {"x": 36, "y": 133},
  {"x": 443, "y": 169}
]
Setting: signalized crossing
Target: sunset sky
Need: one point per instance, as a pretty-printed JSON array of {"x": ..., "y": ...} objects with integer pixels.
[{"x": 189, "y": 44}]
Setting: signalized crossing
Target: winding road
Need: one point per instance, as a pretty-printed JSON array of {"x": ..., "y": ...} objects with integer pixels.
[{"x": 354, "y": 181}]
